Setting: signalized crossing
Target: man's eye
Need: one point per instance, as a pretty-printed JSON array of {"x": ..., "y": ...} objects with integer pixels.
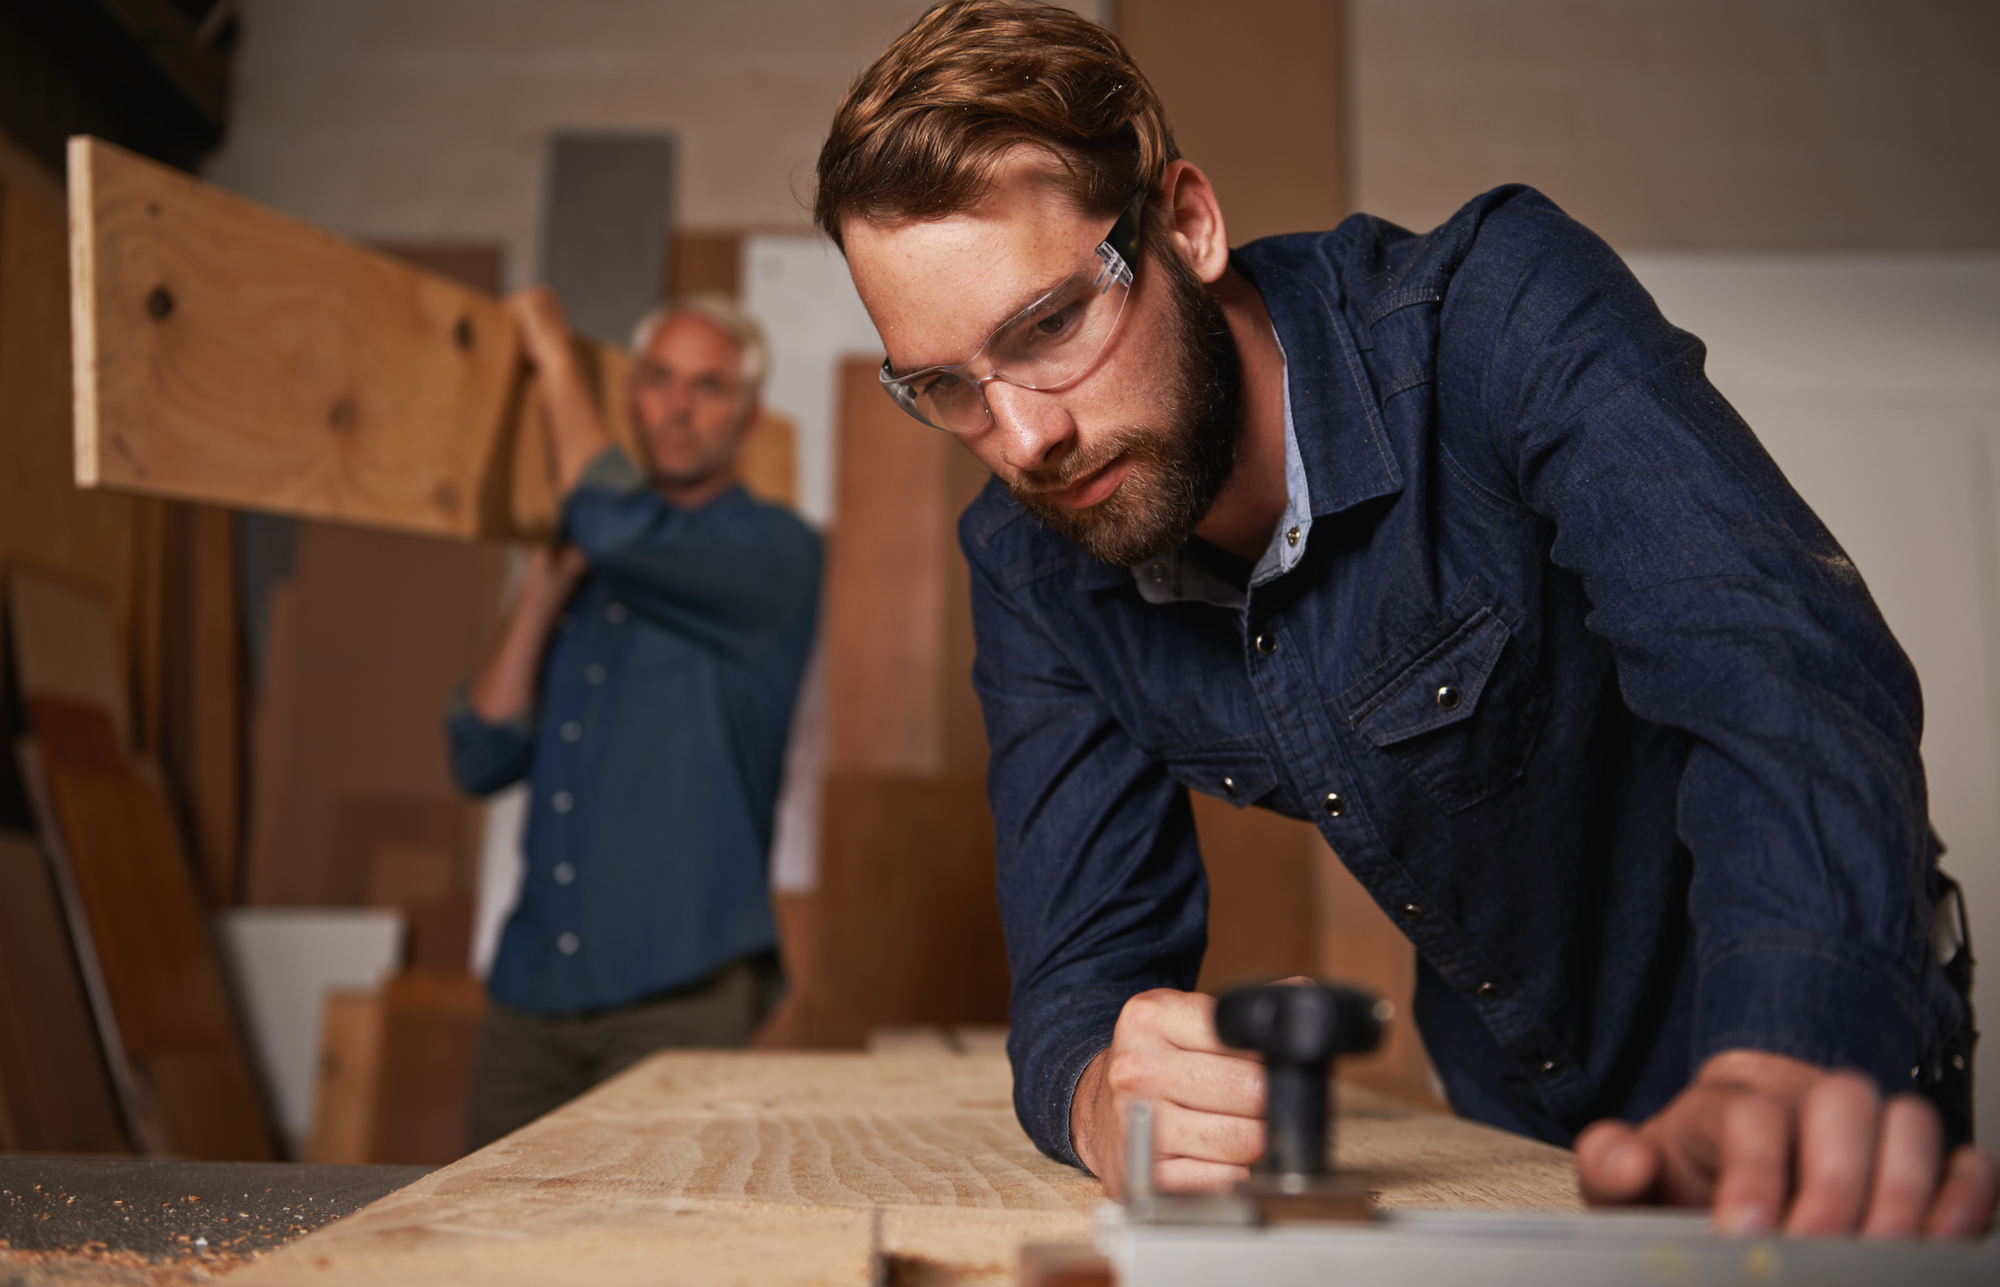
[{"x": 1056, "y": 324}]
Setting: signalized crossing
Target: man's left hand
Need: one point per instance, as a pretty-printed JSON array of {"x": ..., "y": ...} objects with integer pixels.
[{"x": 1771, "y": 1143}]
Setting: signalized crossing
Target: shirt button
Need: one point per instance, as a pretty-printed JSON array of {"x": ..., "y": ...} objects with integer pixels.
[
  {"x": 615, "y": 613},
  {"x": 1267, "y": 644},
  {"x": 572, "y": 731},
  {"x": 567, "y": 943},
  {"x": 1335, "y": 804},
  {"x": 564, "y": 873},
  {"x": 593, "y": 673},
  {"x": 1412, "y": 912},
  {"x": 1449, "y": 698},
  {"x": 563, "y": 801},
  {"x": 1292, "y": 537},
  {"x": 1157, "y": 572},
  {"x": 1487, "y": 991},
  {"x": 1229, "y": 785},
  {"x": 1548, "y": 1067}
]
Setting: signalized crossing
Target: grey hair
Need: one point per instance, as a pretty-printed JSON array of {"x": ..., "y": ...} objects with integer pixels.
[{"x": 727, "y": 316}]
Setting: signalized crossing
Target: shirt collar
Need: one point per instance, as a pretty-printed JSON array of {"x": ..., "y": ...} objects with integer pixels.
[{"x": 1336, "y": 448}]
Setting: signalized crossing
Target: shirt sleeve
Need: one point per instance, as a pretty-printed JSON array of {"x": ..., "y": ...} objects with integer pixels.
[
  {"x": 726, "y": 585},
  {"x": 1735, "y": 618},
  {"x": 1102, "y": 892},
  {"x": 486, "y": 757}
]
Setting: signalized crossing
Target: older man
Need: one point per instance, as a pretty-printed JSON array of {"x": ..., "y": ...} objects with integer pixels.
[
  {"x": 1445, "y": 543},
  {"x": 643, "y": 684}
]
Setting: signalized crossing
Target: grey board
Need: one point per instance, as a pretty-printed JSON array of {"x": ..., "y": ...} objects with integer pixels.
[{"x": 608, "y": 213}]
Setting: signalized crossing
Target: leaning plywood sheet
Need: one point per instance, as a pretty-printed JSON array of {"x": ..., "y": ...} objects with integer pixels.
[
  {"x": 710, "y": 1167},
  {"x": 66, "y": 644},
  {"x": 226, "y": 353},
  {"x": 55, "y": 1092}
]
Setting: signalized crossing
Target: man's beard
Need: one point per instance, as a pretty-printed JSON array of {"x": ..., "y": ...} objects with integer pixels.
[{"x": 1179, "y": 467}]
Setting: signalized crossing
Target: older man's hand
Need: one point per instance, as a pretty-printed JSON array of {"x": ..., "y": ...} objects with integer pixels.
[{"x": 1773, "y": 1144}]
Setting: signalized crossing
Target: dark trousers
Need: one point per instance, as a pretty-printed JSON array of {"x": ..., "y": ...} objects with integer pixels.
[{"x": 530, "y": 1063}]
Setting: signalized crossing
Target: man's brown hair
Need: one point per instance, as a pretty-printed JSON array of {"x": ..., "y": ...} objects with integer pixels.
[{"x": 919, "y": 134}]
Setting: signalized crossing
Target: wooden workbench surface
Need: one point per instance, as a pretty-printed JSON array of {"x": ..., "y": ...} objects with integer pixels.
[{"x": 705, "y": 1168}]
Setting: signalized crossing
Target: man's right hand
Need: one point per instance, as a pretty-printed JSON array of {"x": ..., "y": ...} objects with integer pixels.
[
  {"x": 538, "y": 316},
  {"x": 1208, "y": 1100}
]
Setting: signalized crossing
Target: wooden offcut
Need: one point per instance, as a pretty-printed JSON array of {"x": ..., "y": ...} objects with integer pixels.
[{"x": 711, "y": 1167}]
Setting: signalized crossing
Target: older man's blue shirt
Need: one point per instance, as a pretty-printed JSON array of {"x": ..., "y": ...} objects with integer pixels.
[
  {"x": 654, "y": 753},
  {"x": 1567, "y": 675}
]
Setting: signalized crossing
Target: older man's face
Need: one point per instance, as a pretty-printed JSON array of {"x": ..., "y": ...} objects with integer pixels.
[
  {"x": 1124, "y": 459},
  {"x": 688, "y": 400}
]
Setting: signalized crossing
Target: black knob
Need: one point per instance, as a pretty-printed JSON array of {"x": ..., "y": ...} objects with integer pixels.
[{"x": 1298, "y": 1028}]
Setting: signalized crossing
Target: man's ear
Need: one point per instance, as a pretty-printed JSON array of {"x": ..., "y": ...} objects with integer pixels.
[{"x": 1194, "y": 219}]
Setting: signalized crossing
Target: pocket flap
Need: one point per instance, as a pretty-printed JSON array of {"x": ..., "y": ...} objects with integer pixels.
[
  {"x": 1439, "y": 688},
  {"x": 1239, "y": 775}
]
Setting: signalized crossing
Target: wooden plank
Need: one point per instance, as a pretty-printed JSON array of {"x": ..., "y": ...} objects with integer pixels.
[
  {"x": 162, "y": 975},
  {"x": 108, "y": 542},
  {"x": 430, "y": 1032},
  {"x": 66, "y": 645},
  {"x": 55, "y": 1092},
  {"x": 226, "y": 353},
  {"x": 814, "y": 1165},
  {"x": 350, "y": 1072}
]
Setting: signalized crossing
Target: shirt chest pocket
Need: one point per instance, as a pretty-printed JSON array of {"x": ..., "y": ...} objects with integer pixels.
[{"x": 1461, "y": 717}]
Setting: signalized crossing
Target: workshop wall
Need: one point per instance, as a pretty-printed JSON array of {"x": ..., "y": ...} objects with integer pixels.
[{"x": 1720, "y": 124}]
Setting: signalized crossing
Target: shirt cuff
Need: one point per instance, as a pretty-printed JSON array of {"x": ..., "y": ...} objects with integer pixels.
[
  {"x": 459, "y": 710},
  {"x": 611, "y": 470},
  {"x": 1818, "y": 1000}
]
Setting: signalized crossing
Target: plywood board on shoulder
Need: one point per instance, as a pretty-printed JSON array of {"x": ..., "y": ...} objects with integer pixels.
[{"x": 226, "y": 353}]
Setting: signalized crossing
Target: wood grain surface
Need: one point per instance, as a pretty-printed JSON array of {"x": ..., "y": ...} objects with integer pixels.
[{"x": 708, "y": 1167}]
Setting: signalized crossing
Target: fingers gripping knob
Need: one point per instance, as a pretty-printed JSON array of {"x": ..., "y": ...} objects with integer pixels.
[{"x": 1299, "y": 1029}]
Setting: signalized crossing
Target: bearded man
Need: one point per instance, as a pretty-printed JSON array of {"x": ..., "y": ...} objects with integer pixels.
[
  {"x": 643, "y": 684},
  {"x": 1445, "y": 543}
]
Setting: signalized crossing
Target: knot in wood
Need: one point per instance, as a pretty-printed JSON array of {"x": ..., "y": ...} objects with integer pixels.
[{"x": 159, "y": 303}]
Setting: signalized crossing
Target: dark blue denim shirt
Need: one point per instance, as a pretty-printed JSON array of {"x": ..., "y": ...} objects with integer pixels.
[
  {"x": 654, "y": 751},
  {"x": 1564, "y": 671}
]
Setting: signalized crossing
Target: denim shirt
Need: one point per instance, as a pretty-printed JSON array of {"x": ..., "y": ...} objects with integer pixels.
[
  {"x": 1565, "y": 673},
  {"x": 654, "y": 751}
]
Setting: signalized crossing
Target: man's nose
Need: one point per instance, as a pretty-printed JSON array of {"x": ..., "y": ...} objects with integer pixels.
[{"x": 1034, "y": 428}]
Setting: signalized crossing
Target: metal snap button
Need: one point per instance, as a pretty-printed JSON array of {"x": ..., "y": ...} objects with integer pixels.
[
  {"x": 615, "y": 613},
  {"x": 1334, "y": 804},
  {"x": 1267, "y": 644},
  {"x": 567, "y": 943},
  {"x": 563, "y": 801},
  {"x": 1412, "y": 912},
  {"x": 1292, "y": 537},
  {"x": 593, "y": 673},
  {"x": 1548, "y": 1067},
  {"x": 572, "y": 731},
  {"x": 1487, "y": 991},
  {"x": 1449, "y": 698},
  {"x": 1229, "y": 785},
  {"x": 564, "y": 873},
  {"x": 1157, "y": 573}
]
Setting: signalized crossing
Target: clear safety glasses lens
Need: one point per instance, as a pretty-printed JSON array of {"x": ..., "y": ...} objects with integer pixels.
[{"x": 1051, "y": 342}]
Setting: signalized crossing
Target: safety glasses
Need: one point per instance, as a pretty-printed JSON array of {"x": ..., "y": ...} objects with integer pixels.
[{"x": 1052, "y": 341}]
